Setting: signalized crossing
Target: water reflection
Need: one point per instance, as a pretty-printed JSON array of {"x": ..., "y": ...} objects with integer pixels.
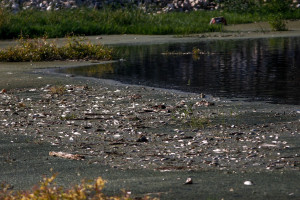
[{"x": 267, "y": 69}]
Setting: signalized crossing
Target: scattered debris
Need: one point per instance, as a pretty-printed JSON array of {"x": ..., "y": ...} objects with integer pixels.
[
  {"x": 204, "y": 103},
  {"x": 218, "y": 20},
  {"x": 3, "y": 91},
  {"x": 66, "y": 155},
  {"x": 264, "y": 145},
  {"x": 185, "y": 132}
]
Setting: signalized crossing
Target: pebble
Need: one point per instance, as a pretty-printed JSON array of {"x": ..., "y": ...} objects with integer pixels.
[{"x": 143, "y": 139}]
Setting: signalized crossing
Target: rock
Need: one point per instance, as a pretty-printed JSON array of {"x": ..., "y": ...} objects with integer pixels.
[{"x": 142, "y": 139}]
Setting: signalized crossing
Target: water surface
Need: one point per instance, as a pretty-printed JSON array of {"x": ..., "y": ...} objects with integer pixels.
[{"x": 257, "y": 69}]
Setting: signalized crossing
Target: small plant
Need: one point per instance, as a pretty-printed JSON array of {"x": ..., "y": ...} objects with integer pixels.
[
  {"x": 48, "y": 189},
  {"x": 191, "y": 119},
  {"x": 196, "y": 51},
  {"x": 21, "y": 105},
  {"x": 59, "y": 90},
  {"x": 69, "y": 117},
  {"x": 261, "y": 28},
  {"x": 277, "y": 23},
  {"x": 77, "y": 48},
  {"x": 197, "y": 122}
]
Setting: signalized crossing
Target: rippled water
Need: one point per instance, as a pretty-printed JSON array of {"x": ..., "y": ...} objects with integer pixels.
[{"x": 260, "y": 69}]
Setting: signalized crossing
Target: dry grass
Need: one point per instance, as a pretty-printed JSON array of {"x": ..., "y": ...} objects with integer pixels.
[
  {"x": 48, "y": 189},
  {"x": 59, "y": 90}
]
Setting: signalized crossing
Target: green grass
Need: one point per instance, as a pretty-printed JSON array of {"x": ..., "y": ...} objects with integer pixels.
[
  {"x": 277, "y": 23},
  {"x": 188, "y": 117},
  {"x": 123, "y": 21},
  {"x": 93, "y": 22},
  {"x": 85, "y": 21}
]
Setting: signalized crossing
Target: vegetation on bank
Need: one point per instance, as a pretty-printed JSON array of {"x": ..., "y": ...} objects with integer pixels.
[
  {"x": 85, "y": 21},
  {"x": 46, "y": 50},
  {"x": 49, "y": 190}
]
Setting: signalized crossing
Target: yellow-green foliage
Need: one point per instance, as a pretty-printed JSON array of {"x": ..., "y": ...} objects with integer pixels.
[
  {"x": 49, "y": 190},
  {"x": 196, "y": 51},
  {"x": 60, "y": 90},
  {"x": 44, "y": 50}
]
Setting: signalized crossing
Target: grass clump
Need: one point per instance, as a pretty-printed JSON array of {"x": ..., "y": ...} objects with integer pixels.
[
  {"x": 48, "y": 189},
  {"x": 59, "y": 90},
  {"x": 68, "y": 117},
  {"x": 188, "y": 116},
  {"x": 277, "y": 23},
  {"x": 42, "y": 49}
]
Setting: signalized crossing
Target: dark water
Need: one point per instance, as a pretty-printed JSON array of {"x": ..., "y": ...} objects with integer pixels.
[{"x": 258, "y": 69}]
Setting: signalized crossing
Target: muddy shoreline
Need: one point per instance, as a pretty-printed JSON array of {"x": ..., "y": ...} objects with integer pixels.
[{"x": 146, "y": 140}]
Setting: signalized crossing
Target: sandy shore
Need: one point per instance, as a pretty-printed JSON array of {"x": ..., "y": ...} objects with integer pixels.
[{"x": 143, "y": 139}]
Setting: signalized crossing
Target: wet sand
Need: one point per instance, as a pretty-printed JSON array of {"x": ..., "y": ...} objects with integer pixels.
[{"x": 146, "y": 140}]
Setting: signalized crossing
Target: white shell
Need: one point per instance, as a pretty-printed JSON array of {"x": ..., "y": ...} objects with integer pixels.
[
  {"x": 189, "y": 181},
  {"x": 248, "y": 183}
]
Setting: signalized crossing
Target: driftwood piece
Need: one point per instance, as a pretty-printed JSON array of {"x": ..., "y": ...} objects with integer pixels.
[{"x": 66, "y": 155}]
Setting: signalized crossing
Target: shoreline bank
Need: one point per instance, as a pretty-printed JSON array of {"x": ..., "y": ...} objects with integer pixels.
[{"x": 135, "y": 136}]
